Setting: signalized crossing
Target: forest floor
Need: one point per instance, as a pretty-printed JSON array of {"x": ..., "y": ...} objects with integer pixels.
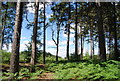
[
  {"x": 47, "y": 75},
  {"x": 68, "y": 70}
]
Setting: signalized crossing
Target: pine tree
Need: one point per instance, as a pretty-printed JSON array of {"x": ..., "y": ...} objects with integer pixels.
[
  {"x": 14, "y": 60},
  {"x": 34, "y": 37},
  {"x": 44, "y": 48},
  {"x": 101, "y": 36}
]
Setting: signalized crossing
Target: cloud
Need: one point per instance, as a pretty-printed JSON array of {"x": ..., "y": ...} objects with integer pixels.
[
  {"x": 25, "y": 42},
  {"x": 41, "y": 6},
  {"x": 65, "y": 43},
  {"x": 71, "y": 30},
  {"x": 51, "y": 50},
  {"x": 31, "y": 8},
  {"x": 23, "y": 38},
  {"x": 61, "y": 52},
  {"x": 49, "y": 1},
  {"x": 10, "y": 47},
  {"x": 48, "y": 15},
  {"x": 72, "y": 25},
  {"x": 50, "y": 43},
  {"x": 23, "y": 46},
  {"x": 71, "y": 35},
  {"x": 62, "y": 49}
]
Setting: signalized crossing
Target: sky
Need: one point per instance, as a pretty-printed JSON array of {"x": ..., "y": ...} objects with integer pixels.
[{"x": 26, "y": 36}]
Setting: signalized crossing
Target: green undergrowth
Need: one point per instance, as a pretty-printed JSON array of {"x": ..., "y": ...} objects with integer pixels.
[
  {"x": 24, "y": 73},
  {"x": 5, "y": 56},
  {"x": 84, "y": 70},
  {"x": 109, "y": 71}
]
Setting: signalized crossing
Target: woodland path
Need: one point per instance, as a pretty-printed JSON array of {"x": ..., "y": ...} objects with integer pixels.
[{"x": 48, "y": 75}]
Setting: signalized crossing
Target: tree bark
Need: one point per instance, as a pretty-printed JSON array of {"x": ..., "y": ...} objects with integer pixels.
[
  {"x": 81, "y": 56},
  {"x": 115, "y": 35},
  {"x": 76, "y": 36},
  {"x": 91, "y": 42},
  {"x": 58, "y": 32},
  {"x": 1, "y": 29},
  {"x": 68, "y": 39},
  {"x": 34, "y": 37},
  {"x": 110, "y": 37},
  {"x": 93, "y": 48},
  {"x": 82, "y": 45},
  {"x": 2, "y": 35},
  {"x": 0, "y": 40},
  {"x": 101, "y": 37},
  {"x": 14, "y": 60},
  {"x": 44, "y": 48}
]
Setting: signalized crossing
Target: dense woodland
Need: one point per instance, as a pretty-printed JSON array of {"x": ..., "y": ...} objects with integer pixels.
[{"x": 94, "y": 23}]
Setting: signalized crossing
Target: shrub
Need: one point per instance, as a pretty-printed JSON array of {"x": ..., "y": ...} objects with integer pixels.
[
  {"x": 25, "y": 56},
  {"x": 5, "y": 56},
  {"x": 87, "y": 56}
]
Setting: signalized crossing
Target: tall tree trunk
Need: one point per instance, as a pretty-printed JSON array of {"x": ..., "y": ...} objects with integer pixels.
[
  {"x": 68, "y": 39},
  {"x": 115, "y": 35},
  {"x": 76, "y": 36},
  {"x": 93, "y": 48},
  {"x": 3, "y": 28},
  {"x": 34, "y": 37},
  {"x": 110, "y": 38},
  {"x": 110, "y": 29},
  {"x": 44, "y": 37},
  {"x": 101, "y": 37},
  {"x": 2, "y": 35},
  {"x": 91, "y": 42},
  {"x": 82, "y": 46},
  {"x": 0, "y": 40},
  {"x": 14, "y": 60},
  {"x": 58, "y": 32}
]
